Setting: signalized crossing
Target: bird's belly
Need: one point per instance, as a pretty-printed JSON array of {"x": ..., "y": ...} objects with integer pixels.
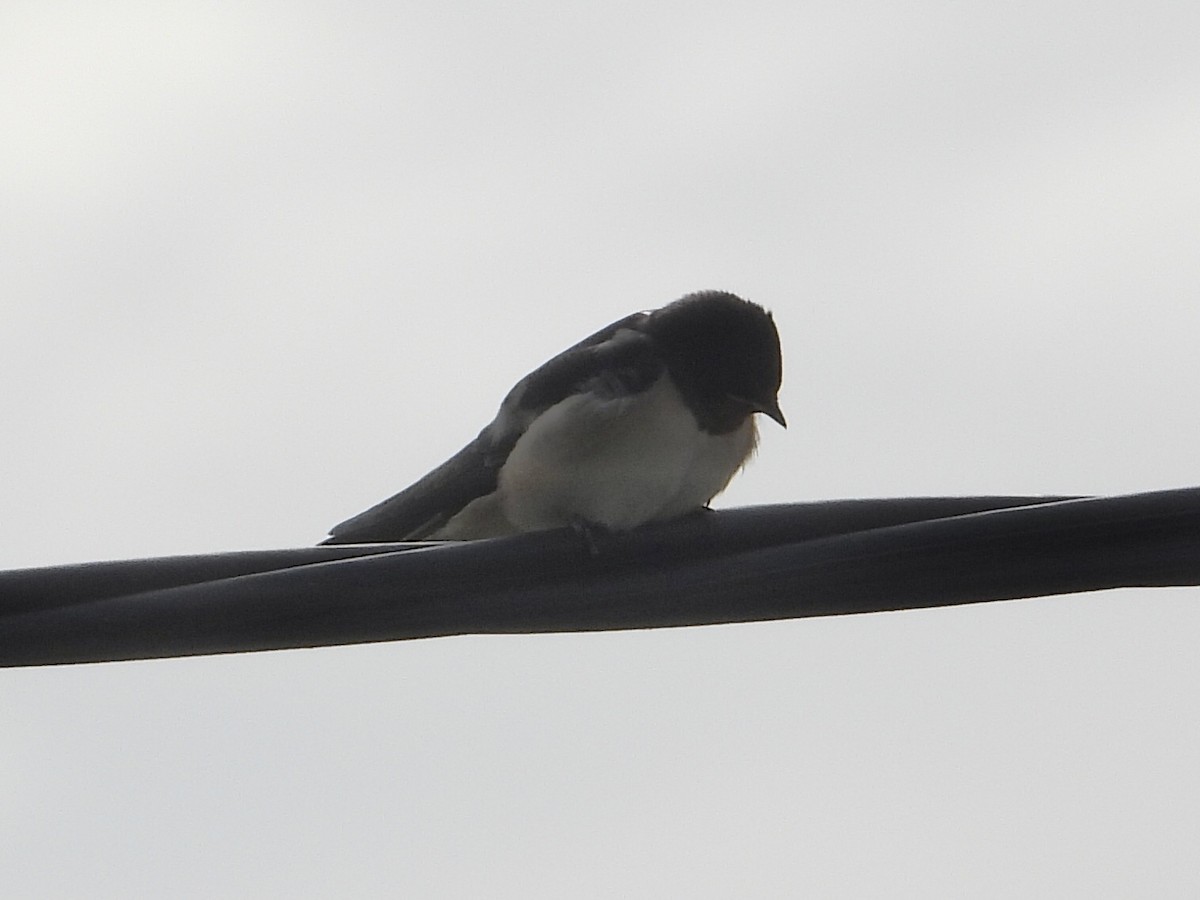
[{"x": 618, "y": 462}]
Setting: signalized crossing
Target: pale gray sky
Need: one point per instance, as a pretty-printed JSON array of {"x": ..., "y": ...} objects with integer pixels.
[{"x": 265, "y": 264}]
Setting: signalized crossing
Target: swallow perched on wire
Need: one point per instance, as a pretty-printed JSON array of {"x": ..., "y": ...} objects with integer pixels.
[{"x": 645, "y": 420}]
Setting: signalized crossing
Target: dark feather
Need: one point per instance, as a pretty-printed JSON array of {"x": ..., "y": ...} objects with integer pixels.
[{"x": 619, "y": 359}]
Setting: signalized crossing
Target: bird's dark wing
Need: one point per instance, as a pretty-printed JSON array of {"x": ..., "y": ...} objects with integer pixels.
[
  {"x": 618, "y": 359},
  {"x": 425, "y": 506}
]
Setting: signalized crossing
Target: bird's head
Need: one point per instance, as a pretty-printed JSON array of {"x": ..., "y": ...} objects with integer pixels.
[{"x": 723, "y": 353}]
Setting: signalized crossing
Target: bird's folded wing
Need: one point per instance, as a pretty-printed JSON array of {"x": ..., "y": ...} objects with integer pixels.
[
  {"x": 619, "y": 354},
  {"x": 423, "y": 507}
]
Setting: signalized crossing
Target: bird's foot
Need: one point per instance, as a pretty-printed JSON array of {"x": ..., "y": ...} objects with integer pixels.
[{"x": 592, "y": 535}]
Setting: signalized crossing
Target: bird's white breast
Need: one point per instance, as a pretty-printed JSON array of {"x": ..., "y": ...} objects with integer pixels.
[{"x": 617, "y": 462}]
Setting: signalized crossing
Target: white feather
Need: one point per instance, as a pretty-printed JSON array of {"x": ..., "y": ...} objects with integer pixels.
[{"x": 617, "y": 462}]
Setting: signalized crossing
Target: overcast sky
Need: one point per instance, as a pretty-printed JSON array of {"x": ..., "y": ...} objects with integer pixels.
[{"x": 264, "y": 264}]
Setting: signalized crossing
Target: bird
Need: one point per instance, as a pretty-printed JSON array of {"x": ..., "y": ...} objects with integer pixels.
[{"x": 646, "y": 420}]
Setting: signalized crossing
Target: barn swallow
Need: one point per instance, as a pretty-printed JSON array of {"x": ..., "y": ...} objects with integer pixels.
[{"x": 644, "y": 421}]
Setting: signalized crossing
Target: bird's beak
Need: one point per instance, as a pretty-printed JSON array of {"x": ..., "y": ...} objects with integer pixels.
[
  {"x": 766, "y": 407},
  {"x": 772, "y": 409}
]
